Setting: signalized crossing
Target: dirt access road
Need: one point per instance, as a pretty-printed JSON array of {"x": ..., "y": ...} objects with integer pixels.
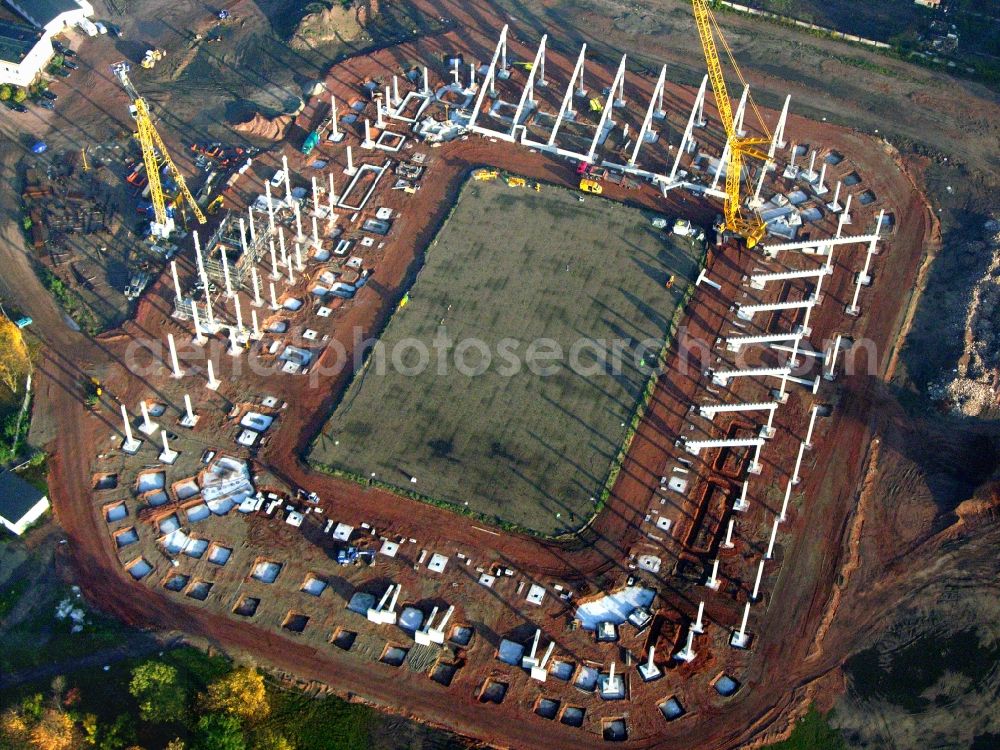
[{"x": 813, "y": 556}]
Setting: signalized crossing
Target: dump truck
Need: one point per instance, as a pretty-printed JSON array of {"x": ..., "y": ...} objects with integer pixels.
[
  {"x": 589, "y": 186},
  {"x": 513, "y": 181}
]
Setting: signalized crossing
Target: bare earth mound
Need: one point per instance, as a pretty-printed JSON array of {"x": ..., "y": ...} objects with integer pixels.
[
  {"x": 272, "y": 128},
  {"x": 335, "y": 24}
]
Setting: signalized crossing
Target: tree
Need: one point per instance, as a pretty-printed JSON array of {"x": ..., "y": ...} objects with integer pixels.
[
  {"x": 175, "y": 744},
  {"x": 15, "y": 360},
  {"x": 271, "y": 740},
  {"x": 54, "y": 731},
  {"x": 158, "y": 689},
  {"x": 219, "y": 732},
  {"x": 20, "y": 95},
  {"x": 5, "y": 92},
  {"x": 240, "y": 693},
  {"x": 13, "y": 726},
  {"x": 17, "y": 723}
]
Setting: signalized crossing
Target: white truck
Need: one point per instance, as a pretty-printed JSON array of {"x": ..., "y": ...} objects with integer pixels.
[{"x": 88, "y": 27}]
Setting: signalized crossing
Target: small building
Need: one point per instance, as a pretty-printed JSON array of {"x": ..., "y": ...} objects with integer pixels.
[
  {"x": 21, "y": 504},
  {"x": 929, "y": 3},
  {"x": 25, "y": 49},
  {"x": 53, "y": 16},
  {"x": 24, "y": 52}
]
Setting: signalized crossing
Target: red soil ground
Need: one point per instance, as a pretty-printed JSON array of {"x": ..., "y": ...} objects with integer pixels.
[{"x": 789, "y": 652}]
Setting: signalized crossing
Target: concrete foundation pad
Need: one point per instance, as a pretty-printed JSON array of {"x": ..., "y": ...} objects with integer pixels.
[
  {"x": 131, "y": 447},
  {"x": 612, "y": 689},
  {"x": 648, "y": 673},
  {"x": 740, "y": 640}
]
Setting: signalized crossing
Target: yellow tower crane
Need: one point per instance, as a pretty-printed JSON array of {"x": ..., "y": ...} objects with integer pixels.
[
  {"x": 150, "y": 141},
  {"x": 750, "y": 226}
]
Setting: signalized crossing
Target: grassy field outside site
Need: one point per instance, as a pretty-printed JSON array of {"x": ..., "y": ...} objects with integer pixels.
[{"x": 513, "y": 276}]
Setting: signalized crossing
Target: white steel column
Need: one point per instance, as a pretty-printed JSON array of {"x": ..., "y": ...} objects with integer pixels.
[
  {"x": 606, "y": 113},
  {"x": 270, "y": 206},
  {"x": 755, "y": 595},
  {"x": 199, "y": 337},
  {"x": 834, "y": 205},
  {"x": 130, "y": 444},
  {"x": 567, "y": 102},
  {"x": 501, "y": 50},
  {"x": 770, "y": 544},
  {"x": 334, "y": 126},
  {"x": 175, "y": 365},
  {"x": 288, "y": 179},
  {"x": 778, "y": 139},
  {"x": 256, "y": 286},
  {"x": 657, "y": 96},
  {"x": 689, "y": 129},
  {"x": 864, "y": 277},
  {"x": 741, "y": 638},
  {"x": 740, "y": 111},
  {"x": 177, "y": 284},
  {"x": 213, "y": 383},
  {"x": 225, "y": 271},
  {"x": 528, "y": 92}
]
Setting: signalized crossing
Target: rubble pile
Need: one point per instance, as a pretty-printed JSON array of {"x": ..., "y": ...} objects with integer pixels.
[{"x": 975, "y": 385}]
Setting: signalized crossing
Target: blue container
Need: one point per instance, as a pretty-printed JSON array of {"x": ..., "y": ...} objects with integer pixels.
[{"x": 39, "y": 148}]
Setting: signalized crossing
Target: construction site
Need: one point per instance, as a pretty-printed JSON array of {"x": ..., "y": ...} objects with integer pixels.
[{"x": 653, "y": 556}]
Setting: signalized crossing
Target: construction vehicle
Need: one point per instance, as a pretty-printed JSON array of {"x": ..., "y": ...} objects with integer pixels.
[
  {"x": 150, "y": 141},
  {"x": 312, "y": 141},
  {"x": 152, "y": 57},
  {"x": 596, "y": 105},
  {"x": 215, "y": 205},
  {"x": 593, "y": 171},
  {"x": 83, "y": 154},
  {"x": 485, "y": 175},
  {"x": 589, "y": 186},
  {"x": 750, "y": 226},
  {"x": 513, "y": 181},
  {"x": 347, "y": 556},
  {"x": 137, "y": 177}
]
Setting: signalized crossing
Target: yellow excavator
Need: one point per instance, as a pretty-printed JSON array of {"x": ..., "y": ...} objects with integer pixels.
[{"x": 745, "y": 223}]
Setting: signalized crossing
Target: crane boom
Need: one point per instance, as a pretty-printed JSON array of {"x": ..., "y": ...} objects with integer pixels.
[
  {"x": 150, "y": 141},
  {"x": 752, "y": 227}
]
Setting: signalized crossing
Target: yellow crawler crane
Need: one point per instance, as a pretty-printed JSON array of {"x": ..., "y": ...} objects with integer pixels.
[
  {"x": 150, "y": 141},
  {"x": 748, "y": 226}
]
